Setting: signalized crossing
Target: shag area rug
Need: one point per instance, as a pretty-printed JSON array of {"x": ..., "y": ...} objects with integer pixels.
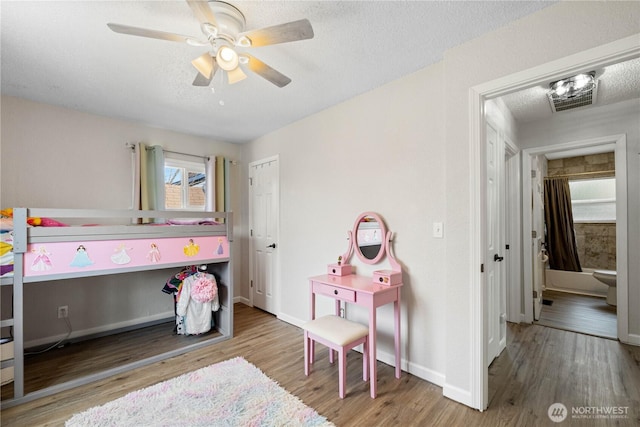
[{"x": 230, "y": 393}]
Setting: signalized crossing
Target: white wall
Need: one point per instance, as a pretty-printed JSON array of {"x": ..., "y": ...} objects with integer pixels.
[
  {"x": 381, "y": 152},
  {"x": 54, "y": 157},
  {"x": 415, "y": 131},
  {"x": 620, "y": 118}
]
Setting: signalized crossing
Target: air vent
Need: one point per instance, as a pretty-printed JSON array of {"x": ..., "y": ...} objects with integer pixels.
[{"x": 583, "y": 98}]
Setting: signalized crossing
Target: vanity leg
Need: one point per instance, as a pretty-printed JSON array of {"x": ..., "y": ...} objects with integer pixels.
[
  {"x": 372, "y": 352},
  {"x": 312, "y": 344},
  {"x": 396, "y": 310},
  {"x": 313, "y": 303}
]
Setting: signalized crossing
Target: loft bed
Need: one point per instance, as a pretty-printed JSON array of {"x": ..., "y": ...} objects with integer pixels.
[{"x": 115, "y": 241}]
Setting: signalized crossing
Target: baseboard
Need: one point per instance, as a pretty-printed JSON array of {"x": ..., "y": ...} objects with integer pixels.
[
  {"x": 102, "y": 330},
  {"x": 291, "y": 320},
  {"x": 414, "y": 369},
  {"x": 457, "y": 394},
  {"x": 242, "y": 300},
  {"x": 633, "y": 339}
]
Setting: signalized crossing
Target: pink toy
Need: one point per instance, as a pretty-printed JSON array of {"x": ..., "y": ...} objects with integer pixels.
[{"x": 204, "y": 290}]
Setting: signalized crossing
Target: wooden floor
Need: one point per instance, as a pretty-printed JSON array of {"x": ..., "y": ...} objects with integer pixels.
[
  {"x": 78, "y": 359},
  {"x": 579, "y": 313},
  {"x": 540, "y": 366}
]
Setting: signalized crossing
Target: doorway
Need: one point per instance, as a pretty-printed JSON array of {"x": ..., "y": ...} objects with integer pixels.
[
  {"x": 611, "y": 53},
  {"x": 598, "y": 312}
]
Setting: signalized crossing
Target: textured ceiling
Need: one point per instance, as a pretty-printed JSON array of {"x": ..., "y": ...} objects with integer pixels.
[
  {"x": 616, "y": 83},
  {"x": 61, "y": 52}
]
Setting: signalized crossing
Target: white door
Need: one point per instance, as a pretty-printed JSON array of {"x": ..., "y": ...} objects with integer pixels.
[
  {"x": 263, "y": 235},
  {"x": 537, "y": 234},
  {"x": 494, "y": 250}
]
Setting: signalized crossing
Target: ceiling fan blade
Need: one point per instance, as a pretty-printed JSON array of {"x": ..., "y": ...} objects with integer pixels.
[
  {"x": 266, "y": 72},
  {"x": 153, "y": 34},
  {"x": 236, "y": 75},
  {"x": 201, "y": 80},
  {"x": 203, "y": 12},
  {"x": 205, "y": 65},
  {"x": 283, "y": 33}
]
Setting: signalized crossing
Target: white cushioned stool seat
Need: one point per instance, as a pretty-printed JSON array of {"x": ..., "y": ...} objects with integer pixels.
[
  {"x": 336, "y": 329},
  {"x": 341, "y": 335}
]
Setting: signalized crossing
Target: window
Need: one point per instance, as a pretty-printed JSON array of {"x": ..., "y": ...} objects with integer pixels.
[
  {"x": 184, "y": 185},
  {"x": 593, "y": 200}
]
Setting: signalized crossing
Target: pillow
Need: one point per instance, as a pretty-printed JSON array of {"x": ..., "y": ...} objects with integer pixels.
[
  {"x": 191, "y": 221},
  {"x": 48, "y": 222}
]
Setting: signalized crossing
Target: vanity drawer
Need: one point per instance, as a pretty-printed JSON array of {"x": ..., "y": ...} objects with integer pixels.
[
  {"x": 340, "y": 269},
  {"x": 335, "y": 292}
]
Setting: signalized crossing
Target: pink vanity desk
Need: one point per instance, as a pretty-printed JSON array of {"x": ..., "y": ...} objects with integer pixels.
[
  {"x": 368, "y": 232},
  {"x": 362, "y": 291}
]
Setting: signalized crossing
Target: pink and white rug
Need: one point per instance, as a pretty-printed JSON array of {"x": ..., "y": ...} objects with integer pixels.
[{"x": 230, "y": 393}]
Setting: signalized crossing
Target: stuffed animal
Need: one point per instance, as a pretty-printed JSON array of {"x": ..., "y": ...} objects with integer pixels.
[{"x": 34, "y": 221}]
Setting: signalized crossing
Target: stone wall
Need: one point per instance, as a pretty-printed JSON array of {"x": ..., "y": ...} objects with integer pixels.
[
  {"x": 583, "y": 165},
  {"x": 596, "y": 241},
  {"x": 596, "y": 245}
]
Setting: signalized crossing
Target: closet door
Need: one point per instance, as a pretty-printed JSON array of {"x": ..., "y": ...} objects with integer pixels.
[{"x": 263, "y": 211}]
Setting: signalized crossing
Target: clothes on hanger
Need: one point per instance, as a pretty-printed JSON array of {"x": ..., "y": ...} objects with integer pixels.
[
  {"x": 195, "y": 297},
  {"x": 198, "y": 298}
]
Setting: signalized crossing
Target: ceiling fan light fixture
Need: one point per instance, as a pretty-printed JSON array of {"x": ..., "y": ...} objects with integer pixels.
[
  {"x": 236, "y": 75},
  {"x": 210, "y": 30},
  {"x": 196, "y": 42},
  {"x": 244, "y": 41},
  {"x": 223, "y": 27},
  {"x": 204, "y": 64},
  {"x": 227, "y": 58}
]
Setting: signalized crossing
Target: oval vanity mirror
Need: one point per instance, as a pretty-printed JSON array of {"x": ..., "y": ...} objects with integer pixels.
[{"x": 369, "y": 233}]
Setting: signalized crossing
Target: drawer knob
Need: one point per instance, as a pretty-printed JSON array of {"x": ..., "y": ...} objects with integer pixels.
[
  {"x": 381, "y": 279},
  {"x": 333, "y": 271},
  {"x": 335, "y": 291}
]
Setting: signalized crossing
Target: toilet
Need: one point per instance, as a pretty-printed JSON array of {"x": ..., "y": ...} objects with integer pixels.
[{"x": 608, "y": 277}]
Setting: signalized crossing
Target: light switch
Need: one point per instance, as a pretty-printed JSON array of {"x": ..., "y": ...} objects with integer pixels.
[{"x": 438, "y": 231}]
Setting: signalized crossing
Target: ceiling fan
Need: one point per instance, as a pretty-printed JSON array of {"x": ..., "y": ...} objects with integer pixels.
[{"x": 222, "y": 25}]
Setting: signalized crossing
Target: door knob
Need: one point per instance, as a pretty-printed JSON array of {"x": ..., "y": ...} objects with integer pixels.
[
  {"x": 273, "y": 245},
  {"x": 498, "y": 258}
]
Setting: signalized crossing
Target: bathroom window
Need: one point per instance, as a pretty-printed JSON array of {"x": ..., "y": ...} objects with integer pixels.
[{"x": 593, "y": 200}]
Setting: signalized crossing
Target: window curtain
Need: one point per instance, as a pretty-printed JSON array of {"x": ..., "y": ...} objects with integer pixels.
[
  {"x": 149, "y": 194},
  {"x": 217, "y": 171},
  {"x": 210, "y": 184},
  {"x": 220, "y": 184},
  {"x": 561, "y": 239}
]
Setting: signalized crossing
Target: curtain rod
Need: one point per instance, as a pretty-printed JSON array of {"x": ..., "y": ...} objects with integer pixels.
[
  {"x": 569, "y": 175},
  {"x": 184, "y": 154},
  {"x": 132, "y": 147}
]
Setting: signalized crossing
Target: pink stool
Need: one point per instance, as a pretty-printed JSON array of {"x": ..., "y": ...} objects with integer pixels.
[{"x": 341, "y": 335}]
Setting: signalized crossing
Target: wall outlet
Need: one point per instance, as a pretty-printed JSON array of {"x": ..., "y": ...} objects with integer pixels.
[{"x": 63, "y": 311}]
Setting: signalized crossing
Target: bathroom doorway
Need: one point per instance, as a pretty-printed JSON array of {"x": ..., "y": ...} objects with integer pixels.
[{"x": 576, "y": 301}]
